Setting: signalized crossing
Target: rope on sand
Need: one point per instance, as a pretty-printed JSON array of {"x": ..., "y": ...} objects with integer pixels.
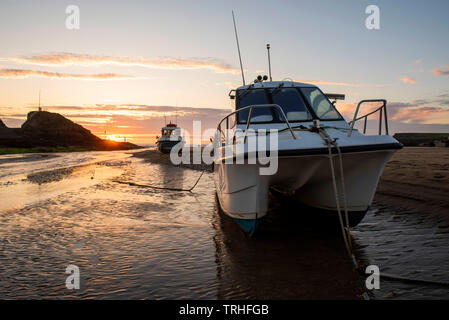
[{"x": 160, "y": 188}]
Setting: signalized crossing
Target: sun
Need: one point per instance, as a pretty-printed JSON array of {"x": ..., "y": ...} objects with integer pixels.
[{"x": 113, "y": 137}]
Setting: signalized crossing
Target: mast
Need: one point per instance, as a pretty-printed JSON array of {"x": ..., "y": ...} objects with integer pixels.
[
  {"x": 269, "y": 61},
  {"x": 39, "y": 109},
  {"x": 238, "y": 48}
]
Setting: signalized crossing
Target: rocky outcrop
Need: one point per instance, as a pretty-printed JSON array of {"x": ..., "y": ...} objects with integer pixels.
[
  {"x": 8, "y": 135},
  {"x": 47, "y": 129},
  {"x": 52, "y": 129}
]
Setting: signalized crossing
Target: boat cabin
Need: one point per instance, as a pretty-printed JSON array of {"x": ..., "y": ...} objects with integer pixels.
[
  {"x": 169, "y": 129},
  {"x": 300, "y": 102}
]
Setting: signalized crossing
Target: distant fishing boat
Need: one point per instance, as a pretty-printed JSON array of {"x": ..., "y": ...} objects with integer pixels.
[{"x": 170, "y": 136}]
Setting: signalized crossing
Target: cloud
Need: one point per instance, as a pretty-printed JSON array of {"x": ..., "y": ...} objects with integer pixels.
[
  {"x": 141, "y": 123},
  {"x": 408, "y": 80},
  {"x": 343, "y": 84},
  {"x": 442, "y": 99},
  {"x": 417, "y": 111},
  {"x": 409, "y": 113},
  {"x": 26, "y": 73},
  {"x": 443, "y": 71},
  {"x": 67, "y": 59}
]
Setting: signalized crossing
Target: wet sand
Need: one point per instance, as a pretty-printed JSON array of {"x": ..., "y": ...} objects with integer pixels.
[
  {"x": 417, "y": 178},
  {"x": 133, "y": 242},
  {"x": 405, "y": 233},
  {"x": 140, "y": 243},
  {"x": 287, "y": 260},
  {"x": 154, "y": 156}
]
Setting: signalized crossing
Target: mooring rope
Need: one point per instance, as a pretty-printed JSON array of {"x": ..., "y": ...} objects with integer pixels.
[
  {"x": 347, "y": 235},
  {"x": 342, "y": 180},
  {"x": 158, "y": 187},
  {"x": 345, "y": 231}
]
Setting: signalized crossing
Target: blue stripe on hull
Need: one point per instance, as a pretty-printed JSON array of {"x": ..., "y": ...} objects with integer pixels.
[{"x": 248, "y": 225}]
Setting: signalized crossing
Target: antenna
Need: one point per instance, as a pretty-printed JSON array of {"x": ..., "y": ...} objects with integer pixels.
[
  {"x": 269, "y": 61},
  {"x": 238, "y": 47},
  {"x": 165, "y": 119}
]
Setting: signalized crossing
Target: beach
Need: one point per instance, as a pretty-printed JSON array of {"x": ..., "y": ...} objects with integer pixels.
[
  {"x": 417, "y": 177},
  {"x": 405, "y": 232},
  {"x": 93, "y": 210}
]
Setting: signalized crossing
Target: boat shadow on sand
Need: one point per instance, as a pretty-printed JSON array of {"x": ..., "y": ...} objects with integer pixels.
[{"x": 292, "y": 256}]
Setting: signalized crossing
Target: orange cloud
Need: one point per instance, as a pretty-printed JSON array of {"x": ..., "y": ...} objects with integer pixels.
[
  {"x": 343, "y": 84},
  {"x": 443, "y": 71},
  {"x": 408, "y": 80},
  {"x": 414, "y": 112},
  {"x": 347, "y": 109},
  {"x": 419, "y": 114},
  {"x": 24, "y": 73},
  {"x": 64, "y": 59}
]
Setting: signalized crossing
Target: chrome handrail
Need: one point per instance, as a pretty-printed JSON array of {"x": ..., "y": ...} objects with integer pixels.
[
  {"x": 355, "y": 119},
  {"x": 248, "y": 121}
]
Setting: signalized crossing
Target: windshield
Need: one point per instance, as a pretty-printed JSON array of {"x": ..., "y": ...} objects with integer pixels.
[
  {"x": 251, "y": 98},
  {"x": 320, "y": 104},
  {"x": 291, "y": 103},
  {"x": 167, "y": 132}
]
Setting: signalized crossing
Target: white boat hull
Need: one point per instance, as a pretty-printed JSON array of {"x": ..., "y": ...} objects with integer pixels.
[{"x": 243, "y": 192}]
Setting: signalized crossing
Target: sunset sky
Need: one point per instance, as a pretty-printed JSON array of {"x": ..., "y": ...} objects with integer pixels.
[{"x": 131, "y": 62}]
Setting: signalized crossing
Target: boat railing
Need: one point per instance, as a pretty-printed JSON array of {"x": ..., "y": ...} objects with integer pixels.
[
  {"x": 382, "y": 111},
  {"x": 248, "y": 121}
]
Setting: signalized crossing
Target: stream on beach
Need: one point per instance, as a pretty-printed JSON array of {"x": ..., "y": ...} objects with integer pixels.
[{"x": 131, "y": 242}]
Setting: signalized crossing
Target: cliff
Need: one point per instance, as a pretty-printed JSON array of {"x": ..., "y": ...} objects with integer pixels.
[{"x": 47, "y": 129}]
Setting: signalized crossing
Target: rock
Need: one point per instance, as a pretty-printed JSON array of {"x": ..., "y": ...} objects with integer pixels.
[
  {"x": 52, "y": 129},
  {"x": 47, "y": 129}
]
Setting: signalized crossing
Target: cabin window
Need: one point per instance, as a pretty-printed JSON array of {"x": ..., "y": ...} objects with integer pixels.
[
  {"x": 250, "y": 98},
  {"x": 323, "y": 109},
  {"x": 291, "y": 103},
  {"x": 166, "y": 132}
]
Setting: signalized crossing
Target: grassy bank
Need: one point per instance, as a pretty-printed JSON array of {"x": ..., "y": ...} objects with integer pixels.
[
  {"x": 4, "y": 150},
  {"x": 415, "y": 139}
]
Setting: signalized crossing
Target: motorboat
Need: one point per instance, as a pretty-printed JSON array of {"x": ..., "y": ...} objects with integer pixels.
[
  {"x": 170, "y": 136},
  {"x": 324, "y": 163}
]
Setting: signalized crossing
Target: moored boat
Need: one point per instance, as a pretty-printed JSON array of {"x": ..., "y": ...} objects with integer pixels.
[
  {"x": 170, "y": 136},
  {"x": 323, "y": 162}
]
